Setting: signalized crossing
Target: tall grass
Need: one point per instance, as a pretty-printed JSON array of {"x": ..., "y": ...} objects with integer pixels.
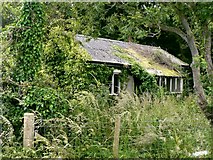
[
  {"x": 165, "y": 127},
  {"x": 151, "y": 127}
]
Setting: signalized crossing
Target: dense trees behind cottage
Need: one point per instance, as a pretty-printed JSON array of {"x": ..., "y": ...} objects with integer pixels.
[{"x": 44, "y": 70}]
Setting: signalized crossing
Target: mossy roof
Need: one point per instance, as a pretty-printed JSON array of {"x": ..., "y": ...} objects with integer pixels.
[{"x": 153, "y": 59}]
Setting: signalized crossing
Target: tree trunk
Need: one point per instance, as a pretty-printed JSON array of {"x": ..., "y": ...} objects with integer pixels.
[
  {"x": 195, "y": 66},
  {"x": 208, "y": 58},
  {"x": 207, "y": 34},
  {"x": 188, "y": 37}
]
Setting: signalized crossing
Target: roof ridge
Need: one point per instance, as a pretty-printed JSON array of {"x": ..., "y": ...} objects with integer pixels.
[{"x": 113, "y": 40}]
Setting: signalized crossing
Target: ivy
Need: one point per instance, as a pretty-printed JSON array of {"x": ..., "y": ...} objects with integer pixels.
[
  {"x": 67, "y": 61},
  {"x": 27, "y": 41},
  {"x": 47, "y": 101},
  {"x": 147, "y": 82},
  {"x": 144, "y": 81},
  {"x": 63, "y": 57}
]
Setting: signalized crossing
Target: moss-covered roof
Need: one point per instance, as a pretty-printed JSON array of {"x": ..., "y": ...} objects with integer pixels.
[{"x": 153, "y": 59}]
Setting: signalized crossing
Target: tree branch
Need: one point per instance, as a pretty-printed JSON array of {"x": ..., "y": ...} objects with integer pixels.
[{"x": 174, "y": 30}]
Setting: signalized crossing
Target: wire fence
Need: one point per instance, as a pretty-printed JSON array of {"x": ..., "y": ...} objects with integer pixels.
[
  {"x": 117, "y": 136},
  {"x": 87, "y": 134}
]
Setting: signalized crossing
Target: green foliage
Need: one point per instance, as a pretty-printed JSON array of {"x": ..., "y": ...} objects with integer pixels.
[
  {"x": 66, "y": 61},
  {"x": 10, "y": 12},
  {"x": 24, "y": 52},
  {"x": 147, "y": 82},
  {"x": 47, "y": 86},
  {"x": 74, "y": 111},
  {"x": 7, "y": 131},
  {"x": 150, "y": 128},
  {"x": 165, "y": 127},
  {"x": 144, "y": 81},
  {"x": 47, "y": 101},
  {"x": 63, "y": 57},
  {"x": 27, "y": 41}
]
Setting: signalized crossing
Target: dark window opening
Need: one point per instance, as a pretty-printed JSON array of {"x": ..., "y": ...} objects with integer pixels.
[{"x": 116, "y": 84}]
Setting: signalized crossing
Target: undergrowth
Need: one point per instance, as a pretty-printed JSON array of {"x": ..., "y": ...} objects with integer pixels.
[{"x": 151, "y": 127}]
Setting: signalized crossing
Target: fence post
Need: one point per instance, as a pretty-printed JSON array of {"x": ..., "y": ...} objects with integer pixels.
[
  {"x": 28, "y": 130},
  {"x": 116, "y": 136}
]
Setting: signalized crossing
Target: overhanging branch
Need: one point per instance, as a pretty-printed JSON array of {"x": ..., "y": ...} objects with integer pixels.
[{"x": 174, "y": 30}]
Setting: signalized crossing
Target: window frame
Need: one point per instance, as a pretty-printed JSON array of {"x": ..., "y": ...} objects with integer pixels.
[
  {"x": 173, "y": 85},
  {"x": 112, "y": 91}
]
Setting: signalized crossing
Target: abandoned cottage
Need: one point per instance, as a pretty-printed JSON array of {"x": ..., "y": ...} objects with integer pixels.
[{"x": 157, "y": 62}]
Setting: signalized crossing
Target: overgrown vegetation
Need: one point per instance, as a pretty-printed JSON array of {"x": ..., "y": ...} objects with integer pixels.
[
  {"x": 147, "y": 82},
  {"x": 46, "y": 72},
  {"x": 190, "y": 24},
  {"x": 151, "y": 127},
  {"x": 27, "y": 42}
]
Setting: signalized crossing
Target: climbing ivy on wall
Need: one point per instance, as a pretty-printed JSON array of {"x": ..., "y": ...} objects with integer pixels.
[
  {"x": 27, "y": 41},
  {"x": 63, "y": 57},
  {"x": 146, "y": 82},
  {"x": 67, "y": 61}
]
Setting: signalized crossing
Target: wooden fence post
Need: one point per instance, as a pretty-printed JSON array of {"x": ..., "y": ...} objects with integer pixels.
[
  {"x": 116, "y": 136},
  {"x": 28, "y": 130}
]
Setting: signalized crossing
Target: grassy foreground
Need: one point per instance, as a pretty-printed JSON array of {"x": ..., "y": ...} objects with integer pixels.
[{"x": 151, "y": 127}]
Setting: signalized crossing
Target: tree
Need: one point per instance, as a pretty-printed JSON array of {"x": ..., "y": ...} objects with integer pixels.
[
  {"x": 186, "y": 20},
  {"x": 132, "y": 21}
]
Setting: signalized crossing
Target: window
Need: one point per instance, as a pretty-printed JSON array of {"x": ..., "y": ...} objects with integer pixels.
[
  {"x": 115, "y": 86},
  {"x": 171, "y": 84}
]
